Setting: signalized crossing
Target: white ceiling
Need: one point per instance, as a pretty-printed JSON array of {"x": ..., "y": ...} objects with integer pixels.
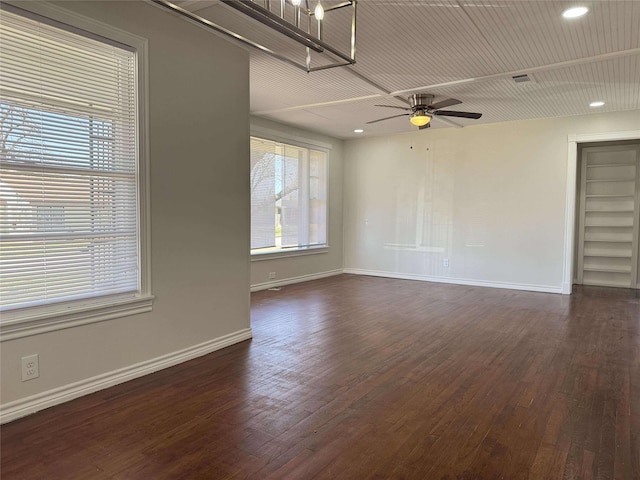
[{"x": 465, "y": 49}]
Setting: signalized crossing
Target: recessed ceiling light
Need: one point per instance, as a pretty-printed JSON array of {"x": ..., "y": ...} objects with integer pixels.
[
  {"x": 575, "y": 12},
  {"x": 358, "y": 130},
  {"x": 596, "y": 104}
]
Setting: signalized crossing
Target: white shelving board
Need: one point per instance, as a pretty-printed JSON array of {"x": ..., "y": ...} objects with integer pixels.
[{"x": 609, "y": 216}]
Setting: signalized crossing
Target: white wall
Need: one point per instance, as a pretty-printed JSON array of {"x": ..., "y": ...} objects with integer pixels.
[
  {"x": 489, "y": 198},
  {"x": 295, "y": 268},
  {"x": 199, "y": 156}
]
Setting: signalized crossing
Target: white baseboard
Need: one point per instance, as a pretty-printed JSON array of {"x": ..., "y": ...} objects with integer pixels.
[
  {"x": 455, "y": 281},
  {"x": 26, "y": 406},
  {"x": 289, "y": 281}
]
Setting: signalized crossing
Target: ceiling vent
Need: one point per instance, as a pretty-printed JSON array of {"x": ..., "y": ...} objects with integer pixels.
[{"x": 523, "y": 78}]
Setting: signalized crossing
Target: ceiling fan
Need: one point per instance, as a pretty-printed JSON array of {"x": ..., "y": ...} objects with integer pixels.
[{"x": 421, "y": 110}]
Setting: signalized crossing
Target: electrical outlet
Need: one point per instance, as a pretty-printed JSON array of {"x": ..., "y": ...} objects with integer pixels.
[
  {"x": 445, "y": 262},
  {"x": 272, "y": 275},
  {"x": 30, "y": 367}
]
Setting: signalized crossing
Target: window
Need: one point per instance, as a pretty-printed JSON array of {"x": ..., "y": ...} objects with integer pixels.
[
  {"x": 71, "y": 207},
  {"x": 288, "y": 197}
]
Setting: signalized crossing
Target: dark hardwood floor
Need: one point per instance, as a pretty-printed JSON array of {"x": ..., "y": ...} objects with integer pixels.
[{"x": 356, "y": 377}]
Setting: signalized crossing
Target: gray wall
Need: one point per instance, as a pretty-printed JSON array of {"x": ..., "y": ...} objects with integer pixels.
[
  {"x": 199, "y": 155},
  {"x": 490, "y": 199},
  {"x": 299, "y": 267}
]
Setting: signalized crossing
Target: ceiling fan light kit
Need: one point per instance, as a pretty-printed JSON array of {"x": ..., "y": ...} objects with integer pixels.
[{"x": 419, "y": 118}]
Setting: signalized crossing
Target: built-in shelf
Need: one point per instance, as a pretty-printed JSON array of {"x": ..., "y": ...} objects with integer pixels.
[
  {"x": 600, "y": 225},
  {"x": 609, "y": 180},
  {"x": 607, "y": 284},
  {"x": 600, "y": 165},
  {"x": 607, "y": 254},
  {"x": 609, "y": 210},
  {"x": 608, "y": 217},
  {"x": 622, "y": 269},
  {"x": 608, "y": 240},
  {"x": 601, "y": 195}
]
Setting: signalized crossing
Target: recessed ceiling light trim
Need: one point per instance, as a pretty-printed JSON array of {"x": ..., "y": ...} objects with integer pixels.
[{"x": 575, "y": 12}]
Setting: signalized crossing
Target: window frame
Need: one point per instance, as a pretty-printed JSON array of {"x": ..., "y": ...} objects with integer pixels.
[
  {"x": 296, "y": 141},
  {"x": 27, "y": 321}
]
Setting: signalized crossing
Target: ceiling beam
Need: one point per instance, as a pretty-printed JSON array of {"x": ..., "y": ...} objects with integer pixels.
[{"x": 319, "y": 104}]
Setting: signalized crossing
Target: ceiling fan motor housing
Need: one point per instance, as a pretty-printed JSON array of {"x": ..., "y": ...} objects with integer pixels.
[{"x": 420, "y": 100}]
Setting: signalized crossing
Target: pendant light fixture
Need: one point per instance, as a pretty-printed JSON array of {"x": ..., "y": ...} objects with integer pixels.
[{"x": 305, "y": 27}]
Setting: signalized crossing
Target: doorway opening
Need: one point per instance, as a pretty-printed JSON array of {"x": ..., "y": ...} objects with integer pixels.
[
  {"x": 607, "y": 214},
  {"x": 576, "y": 147}
]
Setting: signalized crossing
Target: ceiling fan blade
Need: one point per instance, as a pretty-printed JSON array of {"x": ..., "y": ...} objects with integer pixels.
[
  {"x": 392, "y": 106},
  {"x": 428, "y": 125},
  {"x": 445, "y": 103},
  {"x": 453, "y": 113},
  {"x": 387, "y": 118}
]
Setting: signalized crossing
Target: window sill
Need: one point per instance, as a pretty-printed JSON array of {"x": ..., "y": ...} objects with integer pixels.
[
  {"x": 298, "y": 252},
  {"x": 42, "y": 321}
]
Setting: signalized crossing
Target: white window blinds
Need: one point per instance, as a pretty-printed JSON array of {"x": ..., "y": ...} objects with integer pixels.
[
  {"x": 288, "y": 196},
  {"x": 263, "y": 191},
  {"x": 68, "y": 172}
]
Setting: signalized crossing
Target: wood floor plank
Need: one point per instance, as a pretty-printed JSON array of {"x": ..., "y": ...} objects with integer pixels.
[{"x": 355, "y": 377}]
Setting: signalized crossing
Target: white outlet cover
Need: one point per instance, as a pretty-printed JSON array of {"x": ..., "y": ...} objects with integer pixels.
[{"x": 30, "y": 367}]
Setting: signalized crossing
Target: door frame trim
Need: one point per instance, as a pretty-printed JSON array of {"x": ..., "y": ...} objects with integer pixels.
[{"x": 570, "y": 200}]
